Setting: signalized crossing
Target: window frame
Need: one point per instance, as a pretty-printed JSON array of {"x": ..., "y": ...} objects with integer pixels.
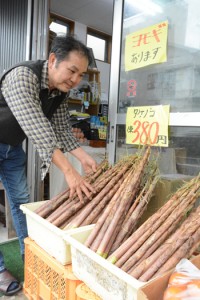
[
  {"x": 63, "y": 21},
  {"x": 69, "y": 24},
  {"x": 108, "y": 42}
]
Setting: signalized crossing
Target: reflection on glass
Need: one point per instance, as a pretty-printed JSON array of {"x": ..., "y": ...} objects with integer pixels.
[
  {"x": 181, "y": 157},
  {"x": 177, "y": 81}
]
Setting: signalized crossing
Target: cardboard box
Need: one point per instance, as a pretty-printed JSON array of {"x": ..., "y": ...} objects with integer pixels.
[
  {"x": 155, "y": 289},
  {"x": 48, "y": 236},
  {"x": 165, "y": 187}
]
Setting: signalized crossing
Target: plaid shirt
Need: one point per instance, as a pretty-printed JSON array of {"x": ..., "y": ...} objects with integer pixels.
[{"x": 21, "y": 90}]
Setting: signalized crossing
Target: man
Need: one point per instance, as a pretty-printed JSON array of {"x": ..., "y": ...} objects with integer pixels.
[{"x": 33, "y": 104}]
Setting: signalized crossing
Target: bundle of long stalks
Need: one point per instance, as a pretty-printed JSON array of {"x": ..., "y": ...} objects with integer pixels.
[
  {"x": 64, "y": 212},
  {"x": 120, "y": 217},
  {"x": 51, "y": 205},
  {"x": 122, "y": 194},
  {"x": 170, "y": 234}
]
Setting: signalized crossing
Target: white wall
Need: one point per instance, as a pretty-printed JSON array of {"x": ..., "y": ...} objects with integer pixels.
[
  {"x": 104, "y": 69},
  {"x": 80, "y": 31}
]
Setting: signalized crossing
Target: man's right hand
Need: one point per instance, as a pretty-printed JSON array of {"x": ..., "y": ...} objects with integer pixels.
[{"x": 78, "y": 185}]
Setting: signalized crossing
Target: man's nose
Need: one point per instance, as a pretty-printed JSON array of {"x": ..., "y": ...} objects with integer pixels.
[{"x": 75, "y": 78}]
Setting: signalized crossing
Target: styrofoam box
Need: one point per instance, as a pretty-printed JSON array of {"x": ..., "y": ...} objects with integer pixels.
[
  {"x": 48, "y": 236},
  {"x": 101, "y": 276}
]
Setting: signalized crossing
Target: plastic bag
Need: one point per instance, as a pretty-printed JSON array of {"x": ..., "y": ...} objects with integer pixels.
[{"x": 184, "y": 282}]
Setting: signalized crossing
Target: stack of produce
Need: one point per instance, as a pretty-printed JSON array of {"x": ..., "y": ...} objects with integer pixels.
[
  {"x": 127, "y": 205},
  {"x": 122, "y": 194},
  {"x": 49, "y": 207},
  {"x": 172, "y": 233}
]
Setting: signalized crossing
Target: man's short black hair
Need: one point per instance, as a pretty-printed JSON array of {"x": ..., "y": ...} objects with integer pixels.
[{"x": 62, "y": 46}]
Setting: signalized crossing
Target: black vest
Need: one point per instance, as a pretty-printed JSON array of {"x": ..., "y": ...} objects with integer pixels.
[{"x": 10, "y": 131}]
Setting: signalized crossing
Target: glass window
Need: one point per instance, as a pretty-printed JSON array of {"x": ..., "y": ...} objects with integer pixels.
[
  {"x": 174, "y": 82},
  {"x": 181, "y": 157},
  {"x": 100, "y": 44},
  {"x": 58, "y": 28},
  {"x": 177, "y": 81}
]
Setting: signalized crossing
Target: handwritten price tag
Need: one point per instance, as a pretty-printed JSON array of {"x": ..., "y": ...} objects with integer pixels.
[{"x": 147, "y": 125}]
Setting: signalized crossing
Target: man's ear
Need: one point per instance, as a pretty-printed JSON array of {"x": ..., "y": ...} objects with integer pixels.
[{"x": 52, "y": 60}]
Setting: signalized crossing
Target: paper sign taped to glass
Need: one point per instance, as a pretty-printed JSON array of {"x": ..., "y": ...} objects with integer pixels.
[
  {"x": 148, "y": 125},
  {"x": 146, "y": 47}
]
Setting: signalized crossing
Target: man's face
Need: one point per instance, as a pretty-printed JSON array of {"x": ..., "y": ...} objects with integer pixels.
[{"x": 68, "y": 73}]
